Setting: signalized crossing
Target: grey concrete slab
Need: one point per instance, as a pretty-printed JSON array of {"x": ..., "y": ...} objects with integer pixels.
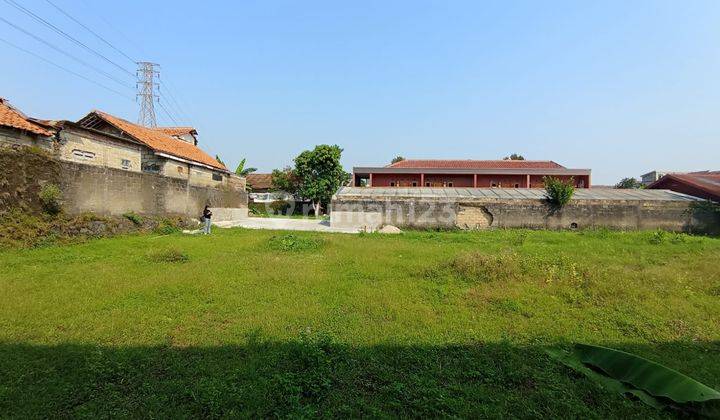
[{"x": 271, "y": 223}]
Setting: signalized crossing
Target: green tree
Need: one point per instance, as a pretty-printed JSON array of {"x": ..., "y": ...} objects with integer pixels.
[
  {"x": 514, "y": 156},
  {"x": 285, "y": 180},
  {"x": 217, "y": 157},
  {"x": 242, "y": 171},
  {"x": 629, "y": 183},
  {"x": 320, "y": 174},
  {"x": 397, "y": 159}
]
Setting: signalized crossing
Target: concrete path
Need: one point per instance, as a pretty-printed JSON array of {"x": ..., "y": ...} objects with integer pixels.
[{"x": 273, "y": 223}]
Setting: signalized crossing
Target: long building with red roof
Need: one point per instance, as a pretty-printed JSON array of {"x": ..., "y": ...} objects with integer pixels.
[
  {"x": 468, "y": 174},
  {"x": 704, "y": 184}
]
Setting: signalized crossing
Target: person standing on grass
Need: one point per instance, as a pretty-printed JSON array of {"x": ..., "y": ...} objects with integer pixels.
[{"x": 207, "y": 216}]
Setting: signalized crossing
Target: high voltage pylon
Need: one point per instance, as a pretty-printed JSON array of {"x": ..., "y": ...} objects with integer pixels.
[{"x": 148, "y": 92}]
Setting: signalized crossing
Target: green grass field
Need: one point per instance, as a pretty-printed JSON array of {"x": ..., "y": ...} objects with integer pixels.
[{"x": 259, "y": 323}]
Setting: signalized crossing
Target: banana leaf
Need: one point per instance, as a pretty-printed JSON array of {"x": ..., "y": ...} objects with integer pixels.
[{"x": 651, "y": 383}]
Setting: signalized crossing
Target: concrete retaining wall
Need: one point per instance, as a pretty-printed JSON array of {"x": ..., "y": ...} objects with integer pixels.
[
  {"x": 102, "y": 190},
  {"x": 370, "y": 214}
]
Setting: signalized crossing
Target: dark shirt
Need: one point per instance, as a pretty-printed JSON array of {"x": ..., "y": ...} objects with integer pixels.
[{"x": 207, "y": 213}]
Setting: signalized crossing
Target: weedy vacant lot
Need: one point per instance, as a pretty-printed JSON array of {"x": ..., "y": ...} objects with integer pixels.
[{"x": 256, "y": 323}]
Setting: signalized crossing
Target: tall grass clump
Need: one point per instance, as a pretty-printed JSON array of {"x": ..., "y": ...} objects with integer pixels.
[
  {"x": 134, "y": 217},
  {"x": 168, "y": 255},
  {"x": 293, "y": 243},
  {"x": 477, "y": 267}
]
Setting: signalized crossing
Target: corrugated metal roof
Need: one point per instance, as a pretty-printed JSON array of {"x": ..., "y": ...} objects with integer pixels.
[{"x": 509, "y": 193}]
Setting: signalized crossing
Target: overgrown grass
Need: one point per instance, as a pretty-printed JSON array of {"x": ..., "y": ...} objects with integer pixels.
[
  {"x": 20, "y": 229},
  {"x": 425, "y": 324},
  {"x": 290, "y": 242},
  {"x": 168, "y": 255}
]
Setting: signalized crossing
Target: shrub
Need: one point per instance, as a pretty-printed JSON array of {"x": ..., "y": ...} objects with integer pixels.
[
  {"x": 291, "y": 242},
  {"x": 282, "y": 207},
  {"x": 167, "y": 227},
  {"x": 50, "y": 196},
  {"x": 133, "y": 217},
  {"x": 658, "y": 237},
  {"x": 169, "y": 255},
  {"x": 559, "y": 192}
]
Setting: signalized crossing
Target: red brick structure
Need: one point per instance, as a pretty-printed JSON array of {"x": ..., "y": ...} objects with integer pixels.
[
  {"x": 704, "y": 184},
  {"x": 467, "y": 174}
]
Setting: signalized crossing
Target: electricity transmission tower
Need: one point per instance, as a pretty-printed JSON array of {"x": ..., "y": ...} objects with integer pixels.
[{"x": 147, "y": 92}]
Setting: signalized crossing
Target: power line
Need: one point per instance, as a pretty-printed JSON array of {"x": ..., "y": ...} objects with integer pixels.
[
  {"x": 91, "y": 31},
  {"x": 63, "y": 68},
  {"x": 63, "y": 52},
  {"x": 173, "y": 109},
  {"x": 178, "y": 99},
  {"x": 167, "y": 113},
  {"x": 64, "y": 34},
  {"x": 174, "y": 101},
  {"x": 137, "y": 46}
]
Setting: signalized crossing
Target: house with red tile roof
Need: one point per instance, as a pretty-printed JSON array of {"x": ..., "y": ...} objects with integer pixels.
[
  {"x": 17, "y": 129},
  {"x": 468, "y": 174},
  {"x": 168, "y": 151},
  {"x": 102, "y": 139},
  {"x": 704, "y": 184}
]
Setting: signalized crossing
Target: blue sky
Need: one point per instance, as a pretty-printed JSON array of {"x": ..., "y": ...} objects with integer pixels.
[{"x": 619, "y": 87}]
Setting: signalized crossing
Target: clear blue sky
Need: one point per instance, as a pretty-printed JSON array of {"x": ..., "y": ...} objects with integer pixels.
[{"x": 619, "y": 87}]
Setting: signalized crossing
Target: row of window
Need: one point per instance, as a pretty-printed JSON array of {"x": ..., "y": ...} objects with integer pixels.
[
  {"x": 415, "y": 184},
  {"x": 581, "y": 184},
  {"x": 438, "y": 184}
]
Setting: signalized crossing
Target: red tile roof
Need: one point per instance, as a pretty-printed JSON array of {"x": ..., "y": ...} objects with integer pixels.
[
  {"x": 11, "y": 117},
  {"x": 161, "y": 142},
  {"x": 259, "y": 181},
  {"x": 177, "y": 131},
  {"x": 475, "y": 164},
  {"x": 707, "y": 182}
]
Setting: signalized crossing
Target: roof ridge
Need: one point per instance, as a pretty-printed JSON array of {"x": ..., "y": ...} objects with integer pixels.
[{"x": 480, "y": 160}]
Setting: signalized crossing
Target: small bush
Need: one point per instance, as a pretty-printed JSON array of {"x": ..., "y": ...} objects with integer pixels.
[
  {"x": 658, "y": 237},
  {"x": 133, "y": 217},
  {"x": 291, "y": 242},
  {"x": 282, "y": 207},
  {"x": 559, "y": 192},
  {"x": 169, "y": 255},
  {"x": 167, "y": 227},
  {"x": 50, "y": 196},
  {"x": 519, "y": 238}
]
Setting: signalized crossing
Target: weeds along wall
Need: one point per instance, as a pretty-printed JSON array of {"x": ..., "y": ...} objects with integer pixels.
[{"x": 102, "y": 190}]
